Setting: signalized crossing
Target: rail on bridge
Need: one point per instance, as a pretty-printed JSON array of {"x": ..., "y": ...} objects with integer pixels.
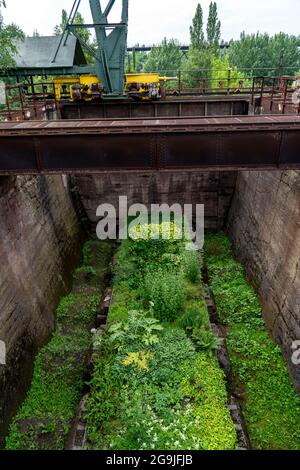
[{"x": 93, "y": 146}]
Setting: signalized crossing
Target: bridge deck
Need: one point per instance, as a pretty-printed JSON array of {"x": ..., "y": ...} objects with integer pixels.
[{"x": 95, "y": 146}]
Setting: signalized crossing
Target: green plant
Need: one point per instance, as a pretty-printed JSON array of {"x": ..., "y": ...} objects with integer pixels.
[
  {"x": 271, "y": 405},
  {"x": 45, "y": 418},
  {"x": 177, "y": 400},
  {"x": 88, "y": 270},
  {"x": 86, "y": 253},
  {"x": 150, "y": 388},
  {"x": 165, "y": 291},
  {"x": 195, "y": 315},
  {"x": 192, "y": 266},
  {"x": 138, "y": 359},
  {"x": 204, "y": 339},
  {"x": 137, "y": 327}
]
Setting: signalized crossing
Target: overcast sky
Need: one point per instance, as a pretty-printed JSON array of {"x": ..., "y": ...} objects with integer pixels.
[{"x": 151, "y": 20}]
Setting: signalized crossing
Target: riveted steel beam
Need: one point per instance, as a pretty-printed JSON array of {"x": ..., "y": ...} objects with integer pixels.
[{"x": 93, "y": 146}]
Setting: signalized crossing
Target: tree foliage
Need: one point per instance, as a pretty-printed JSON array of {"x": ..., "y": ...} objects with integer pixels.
[
  {"x": 213, "y": 28},
  {"x": 196, "y": 30},
  {"x": 136, "y": 60},
  {"x": 84, "y": 33},
  {"x": 198, "y": 67},
  {"x": 222, "y": 72},
  {"x": 202, "y": 49},
  {"x": 261, "y": 50},
  {"x": 165, "y": 58},
  {"x": 8, "y": 35}
]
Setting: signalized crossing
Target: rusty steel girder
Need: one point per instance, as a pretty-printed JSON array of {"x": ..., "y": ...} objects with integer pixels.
[{"x": 93, "y": 146}]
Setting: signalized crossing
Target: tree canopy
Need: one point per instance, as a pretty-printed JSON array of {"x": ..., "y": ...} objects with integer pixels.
[
  {"x": 196, "y": 30},
  {"x": 165, "y": 58},
  {"x": 84, "y": 33},
  {"x": 213, "y": 29},
  {"x": 202, "y": 49},
  {"x": 8, "y": 35},
  {"x": 261, "y": 50}
]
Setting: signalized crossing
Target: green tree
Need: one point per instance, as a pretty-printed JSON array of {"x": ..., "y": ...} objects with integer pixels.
[
  {"x": 84, "y": 33},
  {"x": 136, "y": 60},
  {"x": 200, "y": 57},
  {"x": 260, "y": 51},
  {"x": 196, "y": 30},
  {"x": 197, "y": 68},
  {"x": 9, "y": 34},
  {"x": 165, "y": 58},
  {"x": 226, "y": 76},
  {"x": 59, "y": 28},
  {"x": 213, "y": 25}
]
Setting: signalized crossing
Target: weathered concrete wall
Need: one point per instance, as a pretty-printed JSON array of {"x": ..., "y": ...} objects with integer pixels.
[
  {"x": 214, "y": 189},
  {"x": 39, "y": 244},
  {"x": 264, "y": 224}
]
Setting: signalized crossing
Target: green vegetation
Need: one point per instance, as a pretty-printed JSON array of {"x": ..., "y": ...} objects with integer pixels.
[
  {"x": 164, "y": 58},
  {"x": 198, "y": 64},
  {"x": 8, "y": 35},
  {"x": 156, "y": 383},
  {"x": 83, "y": 33},
  {"x": 205, "y": 60},
  {"x": 196, "y": 30},
  {"x": 213, "y": 29},
  {"x": 271, "y": 405},
  {"x": 44, "y": 419},
  {"x": 262, "y": 50},
  {"x": 227, "y": 75}
]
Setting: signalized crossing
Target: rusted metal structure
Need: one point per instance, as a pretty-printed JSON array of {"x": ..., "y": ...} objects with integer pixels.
[
  {"x": 171, "y": 107},
  {"x": 41, "y": 105},
  {"x": 265, "y": 95},
  {"x": 232, "y": 143}
]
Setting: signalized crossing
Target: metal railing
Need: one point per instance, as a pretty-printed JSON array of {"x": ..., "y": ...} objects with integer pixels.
[
  {"x": 275, "y": 93},
  {"x": 29, "y": 101}
]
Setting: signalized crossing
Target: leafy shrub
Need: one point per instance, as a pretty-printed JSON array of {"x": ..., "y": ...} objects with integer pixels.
[
  {"x": 195, "y": 315},
  {"x": 176, "y": 402},
  {"x": 204, "y": 339},
  {"x": 44, "y": 420},
  {"x": 217, "y": 246},
  {"x": 165, "y": 291},
  {"x": 137, "y": 327},
  {"x": 151, "y": 389},
  {"x": 192, "y": 266},
  {"x": 272, "y": 409},
  {"x": 271, "y": 405},
  {"x": 235, "y": 299},
  {"x": 139, "y": 359}
]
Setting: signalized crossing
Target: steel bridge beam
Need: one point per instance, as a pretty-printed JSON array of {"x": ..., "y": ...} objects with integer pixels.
[{"x": 92, "y": 146}]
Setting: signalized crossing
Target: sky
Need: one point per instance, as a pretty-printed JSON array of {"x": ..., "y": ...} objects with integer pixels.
[{"x": 150, "y": 21}]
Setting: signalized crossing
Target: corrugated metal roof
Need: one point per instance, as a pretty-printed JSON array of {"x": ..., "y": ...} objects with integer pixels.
[{"x": 38, "y": 52}]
